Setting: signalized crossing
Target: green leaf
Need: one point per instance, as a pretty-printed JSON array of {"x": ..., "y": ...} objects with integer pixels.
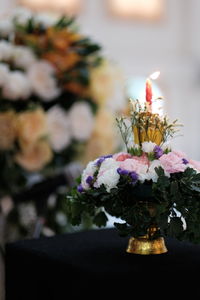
[
  {"x": 100, "y": 219},
  {"x": 64, "y": 22}
]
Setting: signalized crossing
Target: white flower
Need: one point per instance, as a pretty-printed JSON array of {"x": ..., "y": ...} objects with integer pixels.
[
  {"x": 6, "y": 27},
  {"x": 41, "y": 76},
  {"x": 58, "y": 128},
  {"x": 89, "y": 171},
  {"x": 27, "y": 214},
  {"x": 109, "y": 163},
  {"x": 17, "y": 86},
  {"x": 108, "y": 174},
  {"x": 61, "y": 218},
  {"x": 6, "y": 50},
  {"x": 152, "y": 175},
  {"x": 148, "y": 147},
  {"x": 142, "y": 173},
  {"x": 23, "y": 57},
  {"x": 46, "y": 19},
  {"x": 109, "y": 179},
  {"x": 91, "y": 168},
  {"x": 4, "y": 74},
  {"x": 81, "y": 120},
  {"x": 21, "y": 15}
]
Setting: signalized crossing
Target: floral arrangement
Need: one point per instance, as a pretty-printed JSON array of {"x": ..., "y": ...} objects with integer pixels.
[
  {"x": 150, "y": 185},
  {"x": 51, "y": 110}
]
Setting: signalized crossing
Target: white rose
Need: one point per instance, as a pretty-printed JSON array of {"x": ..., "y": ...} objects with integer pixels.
[
  {"x": 41, "y": 76},
  {"x": 58, "y": 128},
  {"x": 109, "y": 179},
  {"x": 152, "y": 175},
  {"x": 109, "y": 163},
  {"x": 17, "y": 86},
  {"x": 148, "y": 147},
  {"x": 23, "y": 57},
  {"x": 142, "y": 173},
  {"x": 4, "y": 74},
  {"x": 81, "y": 120},
  {"x": 6, "y": 27},
  {"x": 91, "y": 168},
  {"x": 6, "y": 50},
  {"x": 89, "y": 171}
]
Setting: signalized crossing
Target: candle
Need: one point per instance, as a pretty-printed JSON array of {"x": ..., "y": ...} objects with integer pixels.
[{"x": 149, "y": 91}]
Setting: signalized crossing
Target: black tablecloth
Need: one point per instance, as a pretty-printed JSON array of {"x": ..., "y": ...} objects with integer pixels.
[{"x": 72, "y": 263}]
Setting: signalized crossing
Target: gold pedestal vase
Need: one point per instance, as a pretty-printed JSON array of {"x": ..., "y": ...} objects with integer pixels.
[{"x": 146, "y": 245}]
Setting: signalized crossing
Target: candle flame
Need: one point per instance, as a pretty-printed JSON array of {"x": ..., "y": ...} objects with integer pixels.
[{"x": 155, "y": 75}]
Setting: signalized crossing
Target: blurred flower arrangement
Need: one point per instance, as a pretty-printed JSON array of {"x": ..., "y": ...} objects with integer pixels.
[
  {"x": 153, "y": 189},
  {"x": 54, "y": 88}
]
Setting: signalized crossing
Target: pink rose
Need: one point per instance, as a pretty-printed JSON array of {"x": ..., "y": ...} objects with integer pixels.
[
  {"x": 180, "y": 154},
  {"x": 121, "y": 156},
  {"x": 137, "y": 166},
  {"x": 173, "y": 163},
  {"x": 195, "y": 164},
  {"x": 143, "y": 159}
]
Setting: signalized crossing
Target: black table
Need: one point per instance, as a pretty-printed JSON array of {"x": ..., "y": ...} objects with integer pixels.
[{"x": 72, "y": 263}]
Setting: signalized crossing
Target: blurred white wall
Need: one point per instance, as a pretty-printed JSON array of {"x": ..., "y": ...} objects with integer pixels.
[
  {"x": 171, "y": 45},
  {"x": 7, "y": 5}
]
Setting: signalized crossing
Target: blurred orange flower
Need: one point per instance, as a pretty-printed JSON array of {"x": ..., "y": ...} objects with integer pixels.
[
  {"x": 34, "y": 158},
  {"x": 61, "y": 61},
  {"x": 31, "y": 126}
]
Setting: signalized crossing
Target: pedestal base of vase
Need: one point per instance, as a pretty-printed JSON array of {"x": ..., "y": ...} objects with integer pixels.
[{"x": 146, "y": 246}]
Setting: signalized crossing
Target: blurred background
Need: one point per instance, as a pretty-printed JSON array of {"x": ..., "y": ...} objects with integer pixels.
[
  {"x": 159, "y": 35},
  {"x": 138, "y": 37},
  {"x": 143, "y": 36}
]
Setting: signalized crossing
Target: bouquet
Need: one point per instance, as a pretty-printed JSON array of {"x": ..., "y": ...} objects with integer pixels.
[
  {"x": 54, "y": 89},
  {"x": 152, "y": 189}
]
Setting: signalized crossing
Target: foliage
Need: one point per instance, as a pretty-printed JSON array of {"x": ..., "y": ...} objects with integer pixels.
[{"x": 174, "y": 205}]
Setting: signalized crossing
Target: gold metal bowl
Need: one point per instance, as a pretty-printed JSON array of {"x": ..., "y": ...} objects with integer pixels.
[{"x": 145, "y": 245}]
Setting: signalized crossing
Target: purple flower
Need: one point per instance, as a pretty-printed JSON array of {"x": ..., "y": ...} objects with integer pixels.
[
  {"x": 158, "y": 151},
  {"x": 134, "y": 176},
  {"x": 102, "y": 158},
  {"x": 80, "y": 188},
  {"x": 185, "y": 161},
  {"x": 89, "y": 180},
  {"x": 108, "y": 156},
  {"x": 122, "y": 171},
  {"x": 99, "y": 161}
]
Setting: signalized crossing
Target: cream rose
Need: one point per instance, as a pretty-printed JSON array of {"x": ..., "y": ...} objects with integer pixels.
[
  {"x": 81, "y": 121},
  {"x": 7, "y": 130},
  {"x": 34, "y": 158},
  {"x": 6, "y": 26},
  {"x": 31, "y": 126},
  {"x": 6, "y": 50},
  {"x": 58, "y": 128},
  {"x": 4, "y": 74},
  {"x": 17, "y": 86},
  {"x": 23, "y": 57},
  {"x": 41, "y": 76}
]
